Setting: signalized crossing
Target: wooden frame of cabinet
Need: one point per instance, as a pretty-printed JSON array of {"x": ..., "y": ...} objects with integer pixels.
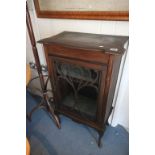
[{"x": 68, "y": 48}]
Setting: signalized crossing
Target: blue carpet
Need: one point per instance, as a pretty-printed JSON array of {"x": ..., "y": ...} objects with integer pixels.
[{"x": 73, "y": 138}]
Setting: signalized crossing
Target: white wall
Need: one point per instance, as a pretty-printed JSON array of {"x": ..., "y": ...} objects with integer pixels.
[
  {"x": 48, "y": 27},
  {"x": 120, "y": 114}
]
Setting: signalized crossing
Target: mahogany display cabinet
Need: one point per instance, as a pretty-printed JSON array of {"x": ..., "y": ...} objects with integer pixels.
[{"x": 83, "y": 70}]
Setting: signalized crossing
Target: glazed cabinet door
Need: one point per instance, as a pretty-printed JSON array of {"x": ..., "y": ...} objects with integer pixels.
[{"x": 78, "y": 88}]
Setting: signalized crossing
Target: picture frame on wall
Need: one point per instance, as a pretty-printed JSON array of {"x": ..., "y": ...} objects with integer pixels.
[{"x": 83, "y": 9}]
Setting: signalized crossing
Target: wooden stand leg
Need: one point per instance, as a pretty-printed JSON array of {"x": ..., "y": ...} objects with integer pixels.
[
  {"x": 47, "y": 106},
  {"x": 40, "y": 105},
  {"x": 52, "y": 114}
]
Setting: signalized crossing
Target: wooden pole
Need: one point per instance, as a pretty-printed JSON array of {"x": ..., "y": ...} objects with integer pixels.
[{"x": 39, "y": 70}]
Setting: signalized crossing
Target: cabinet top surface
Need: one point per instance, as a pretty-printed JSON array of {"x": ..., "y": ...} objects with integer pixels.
[{"x": 87, "y": 41}]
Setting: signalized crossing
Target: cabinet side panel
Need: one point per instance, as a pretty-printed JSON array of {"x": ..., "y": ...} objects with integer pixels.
[{"x": 113, "y": 81}]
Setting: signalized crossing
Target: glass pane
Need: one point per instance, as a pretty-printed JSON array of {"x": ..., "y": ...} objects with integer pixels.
[{"x": 78, "y": 89}]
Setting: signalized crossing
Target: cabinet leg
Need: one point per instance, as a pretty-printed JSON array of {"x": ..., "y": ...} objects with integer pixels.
[
  {"x": 107, "y": 123},
  {"x": 99, "y": 138}
]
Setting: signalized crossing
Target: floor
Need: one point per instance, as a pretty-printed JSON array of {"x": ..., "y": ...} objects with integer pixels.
[{"x": 73, "y": 138}]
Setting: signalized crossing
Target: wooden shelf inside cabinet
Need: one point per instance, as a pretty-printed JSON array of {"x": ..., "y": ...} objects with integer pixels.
[{"x": 83, "y": 70}]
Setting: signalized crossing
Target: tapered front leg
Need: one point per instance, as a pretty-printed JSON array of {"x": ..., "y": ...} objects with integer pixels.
[{"x": 99, "y": 138}]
